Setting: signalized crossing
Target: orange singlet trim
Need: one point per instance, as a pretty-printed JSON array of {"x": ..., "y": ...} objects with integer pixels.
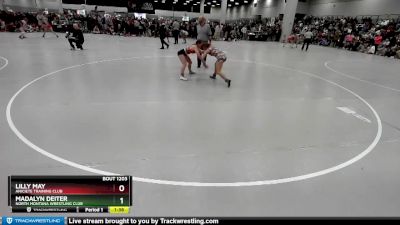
[{"x": 190, "y": 49}]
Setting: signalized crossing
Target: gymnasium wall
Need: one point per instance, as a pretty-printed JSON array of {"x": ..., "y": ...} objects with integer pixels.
[
  {"x": 160, "y": 13},
  {"x": 99, "y": 8},
  {"x": 49, "y": 4},
  {"x": 353, "y": 7},
  {"x": 265, "y": 8},
  {"x": 29, "y": 5},
  {"x": 20, "y": 5},
  {"x": 272, "y": 8}
]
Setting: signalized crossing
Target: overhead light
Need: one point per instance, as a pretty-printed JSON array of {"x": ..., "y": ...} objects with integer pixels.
[
  {"x": 215, "y": 1},
  {"x": 155, "y": 0},
  {"x": 246, "y": 2},
  {"x": 229, "y": 5},
  {"x": 208, "y": 3},
  {"x": 185, "y": 3},
  {"x": 232, "y": 0},
  {"x": 236, "y": 3}
]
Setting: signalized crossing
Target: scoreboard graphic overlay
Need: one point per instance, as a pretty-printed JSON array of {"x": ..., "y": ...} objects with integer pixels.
[{"x": 75, "y": 194}]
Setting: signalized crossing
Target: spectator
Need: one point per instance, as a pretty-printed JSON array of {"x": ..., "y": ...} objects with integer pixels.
[
  {"x": 176, "y": 30},
  {"x": 184, "y": 34},
  {"x": 244, "y": 32},
  {"x": 163, "y": 32},
  {"x": 217, "y": 33},
  {"x": 377, "y": 41},
  {"x": 327, "y": 31},
  {"x": 96, "y": 30}
]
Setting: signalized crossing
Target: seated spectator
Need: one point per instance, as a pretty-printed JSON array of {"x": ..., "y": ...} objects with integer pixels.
[
  {"x": 372, "y": 49},
  {"x": 96, "y": 30},
  {"x": 391, "y": 51},
  {"x": 363, "y": 48},
  {"x": 349, "y": 41},
  {"x": 398, "y": 53},
  {"x": 377, "y": 40},
  {"x": 356, "y": 44},
  {"x": 2, "y": 26},
  {"x": 324, "y": 42}
]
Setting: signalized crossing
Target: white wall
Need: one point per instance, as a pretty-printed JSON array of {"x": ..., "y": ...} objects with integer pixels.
[
  {"x": 269, "y": 8},
  {"x": 20, "y": 5},
  {"x": 353, "y": 7},
  {"x": 302, "y": 7},
  {"x": 49, "y": 4},
  {"x": 245, "y": 11},
  {"x": 272, "y": 8},
  {"x": 27, "y": 5},
  {"x": 99, "y": 8},
  {"x": 164, "y": 13},
  {"x": 181, "y": 13},
  {"x": 265, "y": 8}
]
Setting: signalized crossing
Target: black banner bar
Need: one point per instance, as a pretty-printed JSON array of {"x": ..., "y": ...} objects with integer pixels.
[
  {"x": 219, "y": 221},
  {"x": 9, "y": 190},
  {"x": 214, "y": 221},
  {"x": 64, "y": 179},
  {"x": 130, "y": 190}
]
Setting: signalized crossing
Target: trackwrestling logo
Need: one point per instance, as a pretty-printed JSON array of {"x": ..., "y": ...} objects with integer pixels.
[
  {"x": 147, "y": 6},
  {"x": 20, "y": 220}
]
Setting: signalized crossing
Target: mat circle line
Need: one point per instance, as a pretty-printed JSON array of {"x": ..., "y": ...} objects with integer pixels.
[
  {"x": 198, "y": 184},
  {"x": 6, "y": 60}
]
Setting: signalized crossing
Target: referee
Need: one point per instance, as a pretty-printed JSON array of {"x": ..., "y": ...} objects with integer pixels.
[{"x": 203, "y": 34}]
